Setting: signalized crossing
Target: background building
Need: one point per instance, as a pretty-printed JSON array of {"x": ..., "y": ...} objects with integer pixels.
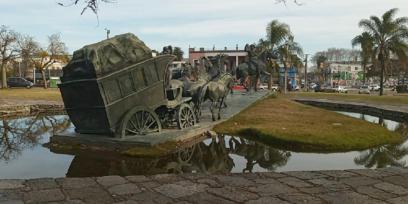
[
  {"x": 236, "y": 56},
  {"x": 347, "y": 74}
]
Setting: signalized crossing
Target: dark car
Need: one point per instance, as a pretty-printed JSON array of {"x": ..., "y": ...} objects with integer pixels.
[{"x": 19, "y": 82}]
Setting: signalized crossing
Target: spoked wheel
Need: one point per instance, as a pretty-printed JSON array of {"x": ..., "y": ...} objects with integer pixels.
[
  {"x": 197, "y": 111},
  {"x": 185, "y": 154},
  {"x": 185, "y": 116},
  {"x": 139, "y": 121}
]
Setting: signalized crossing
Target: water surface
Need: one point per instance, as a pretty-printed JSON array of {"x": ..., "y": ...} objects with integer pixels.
[{"x": 22, "y": 154}]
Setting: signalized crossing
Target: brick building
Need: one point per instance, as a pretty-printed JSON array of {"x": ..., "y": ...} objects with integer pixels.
[{"x": 235, "y": 56}]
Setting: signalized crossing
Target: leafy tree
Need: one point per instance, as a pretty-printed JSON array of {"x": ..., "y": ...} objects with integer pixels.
[
  {"x": 8, "y": 50},
  {"x": 366, "y": 41},
  {"x": 390, "y": 38},
  {"x": 321, "y": 66},
  {"x": 178, "y": 53}
]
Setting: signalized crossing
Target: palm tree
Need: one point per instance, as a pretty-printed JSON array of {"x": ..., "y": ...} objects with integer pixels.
[
  {"x": 384, "y": 156},
  {"x": 276, "y": 33},
  {"x": 288, "y": 55},
  {"x": 366, "y": 41},
  {"x": 390, "y": 37}
]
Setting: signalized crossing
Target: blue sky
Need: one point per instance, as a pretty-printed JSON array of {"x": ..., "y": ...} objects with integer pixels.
[{"x": 317, "y": 24}]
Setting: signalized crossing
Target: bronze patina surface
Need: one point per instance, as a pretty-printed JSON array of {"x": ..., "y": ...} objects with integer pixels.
[{"x": 106, "y": 80}]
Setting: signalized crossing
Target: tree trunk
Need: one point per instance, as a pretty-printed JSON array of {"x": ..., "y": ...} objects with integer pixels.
[
  {"x": 44, "y": 79},
  {"x": 286, "y": 80},
  {"x": 270, "y": 82},
  {"x": 364, "y": 73},
  {"x": 3, "y": 76},
  {"x": 381, "y": 58}
]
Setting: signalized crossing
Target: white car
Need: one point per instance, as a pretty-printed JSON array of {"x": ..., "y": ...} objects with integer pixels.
[
  {"x": 263, "y": 87},
  {"x": 275, "y": 87},
  {"x": 341, "y": 89},
  {"x": 375, "y": 87},
  {"x": 364, "y": 90}
]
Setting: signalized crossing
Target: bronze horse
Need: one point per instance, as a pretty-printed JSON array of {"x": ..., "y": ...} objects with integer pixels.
[
  {"x": 212, "y": 83},
  {"x": 249, "y": 72},
  {"x": 219, "y": 85}
]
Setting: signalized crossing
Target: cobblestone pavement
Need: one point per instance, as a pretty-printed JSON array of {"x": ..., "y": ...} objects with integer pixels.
[{"x": 388, "y": 185}]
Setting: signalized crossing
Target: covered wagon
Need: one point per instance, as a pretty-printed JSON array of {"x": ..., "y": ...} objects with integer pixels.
[{"x": 115, "y": 87}]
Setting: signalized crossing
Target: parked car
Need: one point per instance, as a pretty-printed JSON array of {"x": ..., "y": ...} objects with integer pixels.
[
  {"x": 375, "y": 87},
  {"x": 275, "y": 87},
  {"x": 263, "y": 87},
  {"x": 312, "y": 85},
  {"x": 341, "y": 89},
  {"x": 19, "y": 82},
  {"x": 297, "y": 88},
  {"x": 364, "y": 90},
  {"x": 317, "y": 88},
  {"x": 327, "y": 89}
]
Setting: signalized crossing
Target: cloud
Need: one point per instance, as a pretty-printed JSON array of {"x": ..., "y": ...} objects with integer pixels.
[{"x": 317, "y": 24}]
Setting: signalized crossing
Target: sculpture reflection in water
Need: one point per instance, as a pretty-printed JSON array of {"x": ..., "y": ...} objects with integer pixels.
[
  {"x": 386, "y": 155},
  {"x": 18, "y": 134},
  {"x": 210, "y": 156},
  {"x": 257, "y": 153}
]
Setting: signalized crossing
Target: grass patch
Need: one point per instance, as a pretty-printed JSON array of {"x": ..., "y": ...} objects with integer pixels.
[
  {"x": 375, "y": 99},
  {"x": 33, "y": 94},
  {"x": 280, "y": 121}
]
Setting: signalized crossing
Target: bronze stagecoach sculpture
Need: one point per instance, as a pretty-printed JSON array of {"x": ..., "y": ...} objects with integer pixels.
[{"x": 115, "y": 87}]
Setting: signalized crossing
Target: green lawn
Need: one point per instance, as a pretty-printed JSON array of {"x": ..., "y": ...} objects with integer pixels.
[
  {"x": 33, "y": 94},
  {"x": 375, "y": 99},
  {"x": 297, "y": 127}
]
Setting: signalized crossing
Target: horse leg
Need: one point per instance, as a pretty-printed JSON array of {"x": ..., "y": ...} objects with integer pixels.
[
  {"x": 212, "y": 110},
  {"x": 219, "y": 108}
]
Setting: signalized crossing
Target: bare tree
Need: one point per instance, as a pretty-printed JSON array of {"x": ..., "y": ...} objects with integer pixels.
[
  {"x": 25, "y": 133},
  {"x": 28, "y": 49},
  {"x": 8, "y": 50},
  {"x": 42, "y": 58},
  {"x": 93, "y": 5}
]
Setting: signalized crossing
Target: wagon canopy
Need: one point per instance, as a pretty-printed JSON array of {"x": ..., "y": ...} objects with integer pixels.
[{"x": 102, "y": 58}]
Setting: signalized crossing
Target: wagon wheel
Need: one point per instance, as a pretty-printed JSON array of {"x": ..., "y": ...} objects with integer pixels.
[
  {"x": 139, "y": 121},
  {"x": 197, "y": 111},
  {"x": 185, "y": 154},
  {"x": 185, "y": 116}
]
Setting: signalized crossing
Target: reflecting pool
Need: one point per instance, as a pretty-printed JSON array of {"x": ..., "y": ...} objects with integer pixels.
[{"x": 22, "y": 154}]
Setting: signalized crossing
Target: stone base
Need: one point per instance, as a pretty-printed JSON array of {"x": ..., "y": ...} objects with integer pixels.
[
  {"x": 236, "y": 103},
  {"x": 108, "y": 143}
]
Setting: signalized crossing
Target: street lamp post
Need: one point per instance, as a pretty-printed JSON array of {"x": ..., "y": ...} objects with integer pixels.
[
  {"x": 107, "y": 33},
  {"x": 306, "y": 84}
]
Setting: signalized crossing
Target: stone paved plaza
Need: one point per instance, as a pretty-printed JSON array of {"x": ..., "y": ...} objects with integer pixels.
[{"x": 388, "y": 185}]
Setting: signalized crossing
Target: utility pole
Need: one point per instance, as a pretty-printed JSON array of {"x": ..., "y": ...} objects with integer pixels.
[{"x": 306, "y": 84}]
